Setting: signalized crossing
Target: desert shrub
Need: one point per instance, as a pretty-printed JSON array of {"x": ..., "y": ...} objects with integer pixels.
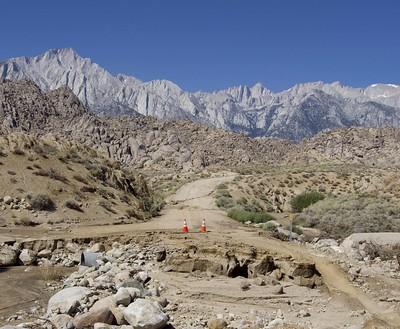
[
  {"x": 222, "y": 186},
  {"x": 88, "y": 189},
  {"x": 42, "y": 202},
  {"x": 388, "y": 252},
  {"x": 41, "y": 172},
  {"x": 225, "y": 202},
  {"x": 152, "y": 205},
  {"x": 54, "y": 174},
  {"x": 80, "y": 179},
  {"x": 107, "y": 206},
  {"x": 124, "y": 198},
  {"x": 244, "y": 216},
  {"x": 11, "y": 172},
  {"x": 305, "y": 199},
  {"x": 242, "y": 201},
  {"x": 51, "y": 173},
  {"x": 295, "y": 228},
  {"x": 97, "y": 171},
  {"x": 18, "y": 151},
  {"x": 223, "y": 193},
  {"x": 72, "y": 204},
  {"x": 339, "y": 217},
  {"x": 237, "y": 178},
  {"x": 3, "y": 154},
  {"x": 63, "y": 159},
  {"x": 132, "y": 213},
  {"x": 253, "y": 206},
  {"x": 105, "y": 194},
  {"x": 25, "y": 221},
  {"x": 269, "y": 226}
]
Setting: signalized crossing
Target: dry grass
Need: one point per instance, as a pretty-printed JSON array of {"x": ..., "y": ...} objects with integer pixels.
[
  {"x": 80, "y": 179},
  {"x": 51, "y": 173},
  {"x": 107, "y": 206},
  {"x": 51, "y": 273},
  {"x": 25, "y": 221},
  {"x": 72, "y": 204}
]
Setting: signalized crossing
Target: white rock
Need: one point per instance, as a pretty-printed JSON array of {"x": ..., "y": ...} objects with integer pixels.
[
  {"x": 45, "y": 253},
  {"x": 62, "y": 321},
  {"x": 7, "y": 199},
  {"x": 142, "y": 276},
  {"x": 123, "y": 297},
  {"x": 97, "y": 247},
  {"x": 27, "y": 257},
  {"x": 8, "y": 256},
  {"x": 67, "y": 300},
  {"x": 145, "y": 314},
  {"x": 275, "y": 323}
]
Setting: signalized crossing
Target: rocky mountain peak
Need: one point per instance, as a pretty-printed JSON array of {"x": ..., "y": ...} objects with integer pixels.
[{"x": 296, "y": 113}]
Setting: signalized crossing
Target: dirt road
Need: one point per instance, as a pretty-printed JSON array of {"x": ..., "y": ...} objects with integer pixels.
[{"x": 194, "y": 202}]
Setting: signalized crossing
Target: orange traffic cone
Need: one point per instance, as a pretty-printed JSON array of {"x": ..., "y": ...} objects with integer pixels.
[
  {"x": 203, "y": 228},
  {"x": 185, "y": 228}
]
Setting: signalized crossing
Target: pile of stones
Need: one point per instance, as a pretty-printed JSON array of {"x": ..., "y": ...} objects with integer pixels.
[
  {"x": 111, "y": 289},
  {"x": 16, "y": 203}
]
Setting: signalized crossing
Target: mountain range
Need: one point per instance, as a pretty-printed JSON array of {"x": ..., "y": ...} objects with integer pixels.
[{"x": 297, "y": 113}]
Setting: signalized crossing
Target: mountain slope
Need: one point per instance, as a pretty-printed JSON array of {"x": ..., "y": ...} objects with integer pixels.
[
  {"x": 55, "y": 181},
  {"x": 296, "y": 113},
  {"x": 141, "y": 142}
]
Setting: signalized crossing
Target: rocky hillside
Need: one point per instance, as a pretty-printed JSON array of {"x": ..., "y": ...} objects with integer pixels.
[
  {"x": 367, "y": 146},
  {"x": 146, "y": 142},
  {"x": 141, "y": 142},
  {"x": 301, "y": 111},
  {"x": 46, "y": 180}
]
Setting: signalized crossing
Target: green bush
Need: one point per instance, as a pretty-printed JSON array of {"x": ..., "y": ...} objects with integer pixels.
[
  {"x": 269, "y": 226},
  {"x": 296, "y": 229},
  {"x": 225, "y": 202},
  {"x": 223, "y": 193},
  {"x": 339, "y": 217},
  {"x": 156, "y": 204},
  {"x": 244, "y": 216},
  {"x": 222, "y": 186},
  {"x": 305, "y": 200}
]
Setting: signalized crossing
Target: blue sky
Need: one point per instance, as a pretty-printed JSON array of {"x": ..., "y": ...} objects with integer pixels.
[{"x": 213, "y": 44}]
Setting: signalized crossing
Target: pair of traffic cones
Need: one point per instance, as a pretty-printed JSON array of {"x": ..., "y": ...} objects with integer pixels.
[{"x": 203, "y": 228}]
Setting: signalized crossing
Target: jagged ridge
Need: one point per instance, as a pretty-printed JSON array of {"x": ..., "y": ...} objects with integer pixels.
[
  {"x": 299, "y": 112},
  {"x": 138, "y": 142}
]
